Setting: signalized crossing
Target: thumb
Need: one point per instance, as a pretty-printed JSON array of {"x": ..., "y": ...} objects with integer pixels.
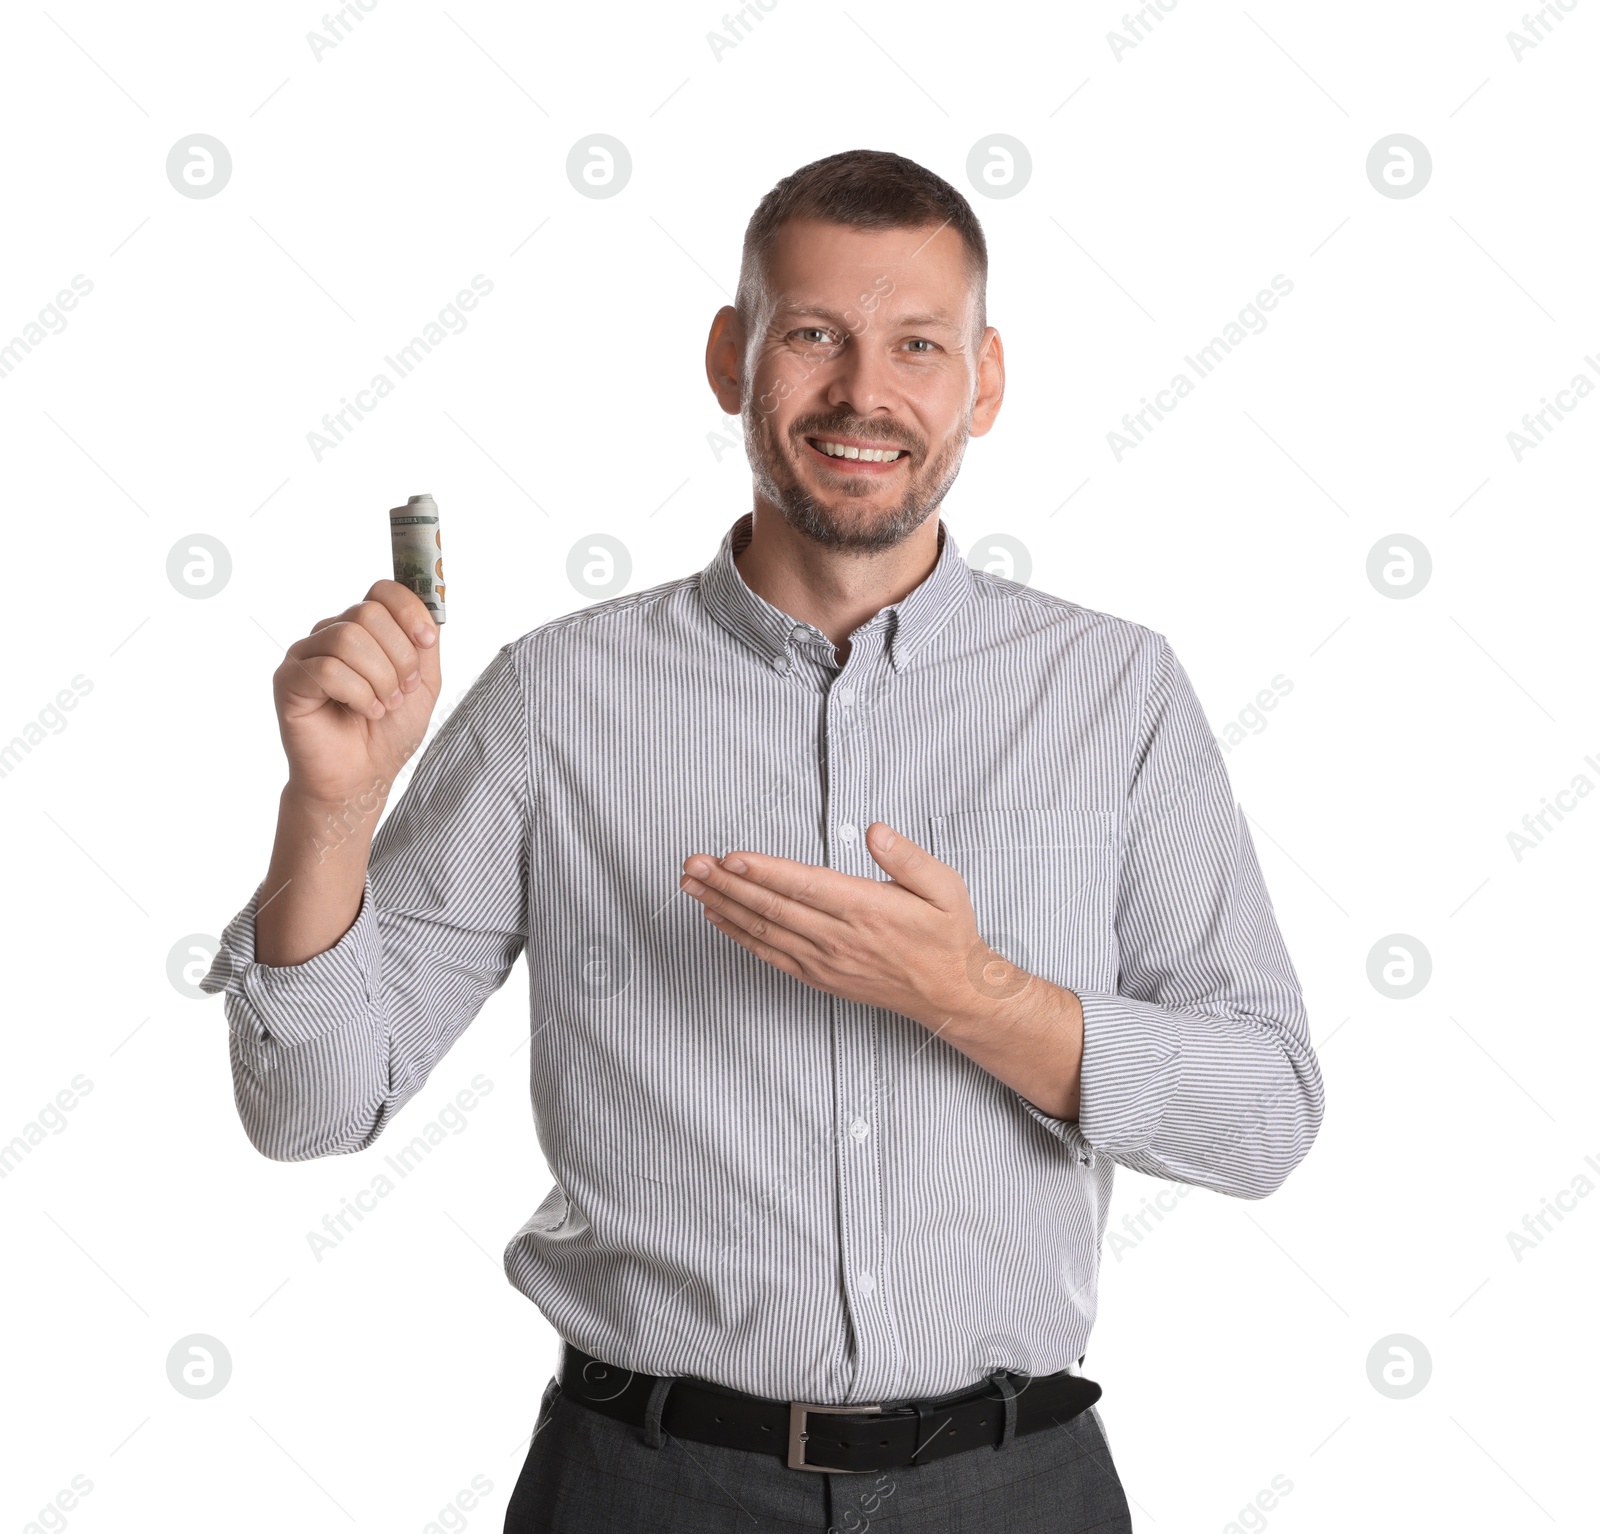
[{"x": 912, "y": 867}]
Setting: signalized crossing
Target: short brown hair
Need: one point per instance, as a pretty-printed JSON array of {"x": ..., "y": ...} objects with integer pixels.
[{"x": 865, "y": 189}]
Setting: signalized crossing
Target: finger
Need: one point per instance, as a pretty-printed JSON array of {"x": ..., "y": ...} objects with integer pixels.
[
  {"x": 914, "y": 868},
  {"x": 822, "y": 889},
  {"x": 353, "y": 644},
  {"x": 764, "y": 951},
  {"x": 409, "y": 610},
  {"x": 755, "y": 891},
  {"x": 312, "y": 680},
  {"x": 770, "y": 923},
  {"x": 379, "y": 621}
]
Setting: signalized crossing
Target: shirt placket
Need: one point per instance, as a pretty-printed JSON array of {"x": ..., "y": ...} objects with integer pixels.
[{"x": 847, "y": 779}]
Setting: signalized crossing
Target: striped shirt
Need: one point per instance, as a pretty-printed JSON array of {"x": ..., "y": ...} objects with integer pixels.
[{"x": 756, "y": 1182}]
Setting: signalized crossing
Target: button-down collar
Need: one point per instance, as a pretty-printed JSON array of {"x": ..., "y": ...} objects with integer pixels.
[{"x": 909, "y": 623}]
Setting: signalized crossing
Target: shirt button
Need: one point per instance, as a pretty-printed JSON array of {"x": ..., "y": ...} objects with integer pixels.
[
  {"x": 867, "y": 1281},
  {"x": 780, "y": 663},
  {"x": 799, "y": 633},
  {"x": 858, "y": 1128},
  {"x": 847, "y": 832},
  {"x": 844, "y": 695}
]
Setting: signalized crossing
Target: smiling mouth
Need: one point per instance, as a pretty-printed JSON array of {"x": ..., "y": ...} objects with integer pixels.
[{"x": 855, "y": 456}]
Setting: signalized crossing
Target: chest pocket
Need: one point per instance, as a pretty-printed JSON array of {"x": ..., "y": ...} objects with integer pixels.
[{"x": 1043, "y": 887}]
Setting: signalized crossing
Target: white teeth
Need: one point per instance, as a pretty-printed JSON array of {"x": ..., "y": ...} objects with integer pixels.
[{"x": 866, "y": 454}]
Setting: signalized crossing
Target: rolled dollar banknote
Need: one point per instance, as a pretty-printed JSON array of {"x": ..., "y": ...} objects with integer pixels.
[{"x": 418, "y": 553}]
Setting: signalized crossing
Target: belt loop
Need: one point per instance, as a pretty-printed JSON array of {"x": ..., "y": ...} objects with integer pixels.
[
  {"x": 653, "y": 1409},
  {"x": 1008, "y": 1396},
  {"x": 927, "y": 1414},
  {"x": 551, "y": 1390}
]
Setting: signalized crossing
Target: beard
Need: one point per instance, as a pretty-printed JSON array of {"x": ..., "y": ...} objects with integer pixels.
[{"x": 841, "y": 520}]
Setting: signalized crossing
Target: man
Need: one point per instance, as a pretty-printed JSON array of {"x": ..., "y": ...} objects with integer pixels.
[{"x": 874, "y": 908}]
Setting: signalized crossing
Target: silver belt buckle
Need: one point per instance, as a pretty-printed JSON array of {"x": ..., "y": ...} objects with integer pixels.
[{"x": 798, "y": 1435}]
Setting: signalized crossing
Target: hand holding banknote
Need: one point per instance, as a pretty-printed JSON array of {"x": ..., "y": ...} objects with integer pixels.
[
  {"x": 355, "y": 695},
  {"x": 353, "y": 700}
]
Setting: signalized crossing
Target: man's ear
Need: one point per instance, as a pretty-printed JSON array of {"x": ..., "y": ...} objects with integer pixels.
[
  {"x": 991, "y": 383},
  {"x": 725, "y": 358}
]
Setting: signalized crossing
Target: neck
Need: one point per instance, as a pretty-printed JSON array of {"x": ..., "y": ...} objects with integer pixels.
[{"x": 837, "y": 590}]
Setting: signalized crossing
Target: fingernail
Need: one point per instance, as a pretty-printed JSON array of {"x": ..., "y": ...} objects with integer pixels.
[
  {"x": 412, "y": 682},
  {"x": 376, "y": 710},
  {"x": 425, "y": 633},
  {"x": 396, "y": 698},
  {"x": 736, "y": 865}
]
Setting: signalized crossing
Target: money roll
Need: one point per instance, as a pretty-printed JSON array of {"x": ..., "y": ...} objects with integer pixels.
[{"x": 418, "y": 553}]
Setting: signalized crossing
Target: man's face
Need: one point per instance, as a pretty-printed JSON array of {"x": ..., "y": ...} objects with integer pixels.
[{"x": 864, "y": 345}]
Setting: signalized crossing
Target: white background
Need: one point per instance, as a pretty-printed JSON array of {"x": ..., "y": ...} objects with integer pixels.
[{"x": 1168, "y": 187}]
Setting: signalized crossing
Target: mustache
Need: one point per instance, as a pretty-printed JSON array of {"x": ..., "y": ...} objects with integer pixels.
[{"x": 865, "y": 431}]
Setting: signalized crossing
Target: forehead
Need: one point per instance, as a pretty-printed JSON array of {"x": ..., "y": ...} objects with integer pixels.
[{"x": 817, "y": 262}]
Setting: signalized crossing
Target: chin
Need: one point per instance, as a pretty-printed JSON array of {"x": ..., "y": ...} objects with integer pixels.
[
  {"x": 860, "y": 498},
  {"x": 852, "y": 526}
]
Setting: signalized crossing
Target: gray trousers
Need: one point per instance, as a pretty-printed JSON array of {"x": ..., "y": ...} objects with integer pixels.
[{"x": 590, "y": 1474}]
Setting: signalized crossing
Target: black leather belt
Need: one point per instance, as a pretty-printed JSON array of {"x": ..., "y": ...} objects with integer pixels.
[{"x": 808, "y": 1436}]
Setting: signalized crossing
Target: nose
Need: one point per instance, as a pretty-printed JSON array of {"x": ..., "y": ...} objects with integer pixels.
[{"x": 860, "y": 381}]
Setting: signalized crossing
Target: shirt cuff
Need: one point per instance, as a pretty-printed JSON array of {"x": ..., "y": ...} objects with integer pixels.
[
  {"x": 1064, "y": 1130},
  {"x": 295, "y": 1003},
  {"x": 1132, "y": 1063}
]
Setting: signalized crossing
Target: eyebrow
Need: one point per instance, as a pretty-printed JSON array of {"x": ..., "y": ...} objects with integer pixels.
[{"x": 821, "y": 311}]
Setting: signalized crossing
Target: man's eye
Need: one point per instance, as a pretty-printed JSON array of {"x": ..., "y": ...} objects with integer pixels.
[
  {"x": 814, "y": 335},
  {"x": 921, "y": 341}
]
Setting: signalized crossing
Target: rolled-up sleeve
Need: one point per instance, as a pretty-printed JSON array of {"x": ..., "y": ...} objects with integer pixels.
[
  {"x": 324, "y": 1053},
  {"x": 1200, "y": 1068}
]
